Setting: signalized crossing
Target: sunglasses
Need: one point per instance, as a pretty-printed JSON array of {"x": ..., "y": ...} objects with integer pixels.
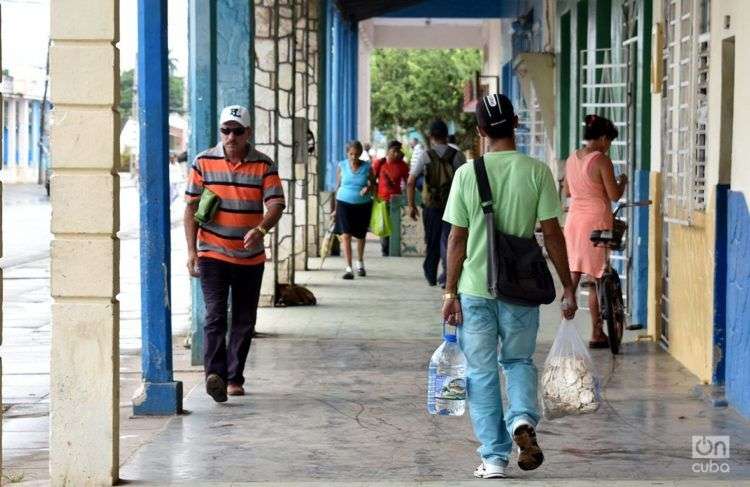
[{"x": 236, "y": 131}]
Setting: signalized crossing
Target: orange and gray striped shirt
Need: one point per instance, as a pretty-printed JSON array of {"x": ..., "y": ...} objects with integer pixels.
[{"x": 244, "y": 189}]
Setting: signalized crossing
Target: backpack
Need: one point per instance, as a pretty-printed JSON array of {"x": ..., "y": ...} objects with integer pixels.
[{"x": 438, "y": 178}]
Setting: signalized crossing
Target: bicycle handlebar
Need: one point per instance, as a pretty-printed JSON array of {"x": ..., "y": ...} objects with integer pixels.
[{"x": 632, "y": 204}]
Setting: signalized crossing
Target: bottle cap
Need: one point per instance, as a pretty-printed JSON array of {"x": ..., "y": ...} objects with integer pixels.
[{"x": 450, "y": 338}]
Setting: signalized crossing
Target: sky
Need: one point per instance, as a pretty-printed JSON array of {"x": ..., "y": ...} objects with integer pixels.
[{"x": 24, "y": 47}]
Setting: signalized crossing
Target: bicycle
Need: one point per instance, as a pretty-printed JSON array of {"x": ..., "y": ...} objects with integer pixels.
[{"x": 609, "y": 290}]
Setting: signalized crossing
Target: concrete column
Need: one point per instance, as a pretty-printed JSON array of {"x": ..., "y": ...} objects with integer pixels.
[
  {"x": 1, "y": 253},
  {"x": 313, "y": 118},
  {"x": 159, "y": 394},
  {"x": 364, "y": 81},
  {"x": 12, "y": 161},
  {"x": 299, "y": 133},
  {"x": 84, "y": 370}
]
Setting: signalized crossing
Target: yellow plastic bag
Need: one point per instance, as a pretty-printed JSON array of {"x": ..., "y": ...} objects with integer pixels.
[{"x": 380, "y": 220}]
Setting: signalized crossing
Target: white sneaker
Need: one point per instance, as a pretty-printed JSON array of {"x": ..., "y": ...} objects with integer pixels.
[{"x": 489, "y": 471}]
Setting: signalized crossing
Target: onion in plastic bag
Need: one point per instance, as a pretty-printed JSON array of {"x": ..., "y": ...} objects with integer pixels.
[{"x": 569, "y": 381}]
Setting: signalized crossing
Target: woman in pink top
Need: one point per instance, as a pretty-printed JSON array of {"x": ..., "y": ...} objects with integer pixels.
[{"x": 591, "y": 186}]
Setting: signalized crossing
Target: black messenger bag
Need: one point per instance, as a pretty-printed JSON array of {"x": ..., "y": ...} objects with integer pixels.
[{"x": 517, "y": 271}]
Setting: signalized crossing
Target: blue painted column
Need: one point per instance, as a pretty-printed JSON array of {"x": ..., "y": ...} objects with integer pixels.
[
  {"x": 639, "y": 232},
  {"x": 203, "y": 129},
  {"x": 331, "y": 98},
  {"x": 354, "y": 78},
  {"x": 721, "y": 253},
  {"x": 162, "y": 395},
  {"x": 36, "y": 130},
  {"x": 220, "y": 73},
  {"x": 341, "y": 61}
]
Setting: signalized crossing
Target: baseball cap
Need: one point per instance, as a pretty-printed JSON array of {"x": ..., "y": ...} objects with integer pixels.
[
  {"x": 495, "y": 112},
  {"x": 235, "y": 113}
]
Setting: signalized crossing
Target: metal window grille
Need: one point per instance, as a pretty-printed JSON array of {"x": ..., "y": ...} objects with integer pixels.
[
  {"x": 685, "y": 109},
  {"x": 605, "y": 76},
  {"x": 531, "y": 138}
]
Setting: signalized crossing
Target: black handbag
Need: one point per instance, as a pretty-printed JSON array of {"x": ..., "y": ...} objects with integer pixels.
[{"x": 517, "y": 271}]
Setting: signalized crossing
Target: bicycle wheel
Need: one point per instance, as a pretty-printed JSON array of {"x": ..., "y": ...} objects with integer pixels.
[{"x": 613, "y": 309}]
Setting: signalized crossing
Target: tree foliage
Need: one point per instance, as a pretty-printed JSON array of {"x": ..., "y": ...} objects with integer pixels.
[
  {"x": 411, "y": 88},
  {"x": 176, "y": 92}
]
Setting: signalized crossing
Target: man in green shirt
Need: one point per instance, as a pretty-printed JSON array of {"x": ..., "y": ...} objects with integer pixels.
[{"x": 523, "y": 191}]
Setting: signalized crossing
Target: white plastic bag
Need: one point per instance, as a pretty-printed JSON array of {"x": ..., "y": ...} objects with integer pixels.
[{"x": 569, "y": 381}]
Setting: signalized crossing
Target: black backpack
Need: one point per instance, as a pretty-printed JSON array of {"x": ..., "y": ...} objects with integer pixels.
[{"x": 438, "y": 178}]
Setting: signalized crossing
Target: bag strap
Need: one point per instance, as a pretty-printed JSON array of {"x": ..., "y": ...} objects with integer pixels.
[{"x": 483, "y": 182}]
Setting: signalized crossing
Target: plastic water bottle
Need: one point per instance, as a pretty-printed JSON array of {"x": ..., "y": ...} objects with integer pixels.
[{"x": 446, "y": 378}]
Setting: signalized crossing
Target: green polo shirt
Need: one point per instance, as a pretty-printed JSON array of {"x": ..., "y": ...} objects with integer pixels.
[{"x": 523, "y": 190}]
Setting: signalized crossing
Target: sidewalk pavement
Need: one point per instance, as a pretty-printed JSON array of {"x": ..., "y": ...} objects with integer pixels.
[
  {"x": 26, "y": 325},
  {"x": 337, "y": 396}
]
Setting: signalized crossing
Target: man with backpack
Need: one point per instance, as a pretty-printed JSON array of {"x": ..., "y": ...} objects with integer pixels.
[
  {"x": 437, "y": 165},
  {"x": 491, "y": 292}
]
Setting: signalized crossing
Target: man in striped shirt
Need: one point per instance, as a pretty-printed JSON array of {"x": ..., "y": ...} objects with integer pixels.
[{"x": 228, "y": 252}]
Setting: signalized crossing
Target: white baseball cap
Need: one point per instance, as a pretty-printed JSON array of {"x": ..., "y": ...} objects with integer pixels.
[{"x": 235, "y": 113}]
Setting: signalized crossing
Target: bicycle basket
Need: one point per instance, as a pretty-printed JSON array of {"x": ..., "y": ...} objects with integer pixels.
[
  {"x": 618, "y": 230},
  {"x": 610, "y": 238}
]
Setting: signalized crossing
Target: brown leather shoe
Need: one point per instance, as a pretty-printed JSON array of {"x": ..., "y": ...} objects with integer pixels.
[
  {"x": 216, "y": 388},
  {"x": 235, "y": 390}
]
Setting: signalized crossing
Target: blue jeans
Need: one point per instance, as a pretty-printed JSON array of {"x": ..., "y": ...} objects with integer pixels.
[{"x": 487, "y": 322}]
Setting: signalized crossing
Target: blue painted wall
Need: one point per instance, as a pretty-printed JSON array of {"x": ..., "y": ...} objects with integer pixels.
[
  {"x": 341, "y": 58},
  {"x": 738, "y": 304},
  {"x": 639, "y": 232}
]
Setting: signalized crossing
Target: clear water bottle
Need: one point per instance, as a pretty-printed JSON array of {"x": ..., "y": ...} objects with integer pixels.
[{"x": 446, "y": 378}]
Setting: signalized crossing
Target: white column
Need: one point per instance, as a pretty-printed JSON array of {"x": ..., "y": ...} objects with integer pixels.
[
  {"x": 12, "y": 135},
  {"x": 366, "y": 43},
  {"x": 84, "y": 365},
  {"x": 1, "y": 254},
  {"x": 493, "y": 56}
]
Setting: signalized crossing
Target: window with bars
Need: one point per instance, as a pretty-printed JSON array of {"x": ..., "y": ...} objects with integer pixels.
[
  {"x": 530, "y": 136},
  {"x": 685, "y": 108}
]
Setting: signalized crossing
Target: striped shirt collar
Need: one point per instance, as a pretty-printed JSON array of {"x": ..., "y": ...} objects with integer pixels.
[{"x": 252, "y": 154}]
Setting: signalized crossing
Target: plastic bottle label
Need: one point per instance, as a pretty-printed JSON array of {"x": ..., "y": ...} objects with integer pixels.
[{"x": 450, "y": 388}]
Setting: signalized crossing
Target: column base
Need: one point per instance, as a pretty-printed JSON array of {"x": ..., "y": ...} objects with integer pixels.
[{"x": 158, "y": 399}]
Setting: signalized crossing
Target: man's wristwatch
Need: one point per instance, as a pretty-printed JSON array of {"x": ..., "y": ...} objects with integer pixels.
[
  {"x": 448, "y": 296},
  {"x": 262, "y": 230}
]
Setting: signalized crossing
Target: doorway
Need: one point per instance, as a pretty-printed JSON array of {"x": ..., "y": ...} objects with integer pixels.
[{"x": 722, "y": 211}]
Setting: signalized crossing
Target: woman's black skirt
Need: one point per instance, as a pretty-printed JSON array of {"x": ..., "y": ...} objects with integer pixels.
[{"x": 352, "y": 219}]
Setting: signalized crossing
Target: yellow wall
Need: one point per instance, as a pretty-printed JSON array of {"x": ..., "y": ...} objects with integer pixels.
[
  {"x": 691, "y": 269},
  {"x": 691, "y": 248},
  {"x": 654, "y": 256}
]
